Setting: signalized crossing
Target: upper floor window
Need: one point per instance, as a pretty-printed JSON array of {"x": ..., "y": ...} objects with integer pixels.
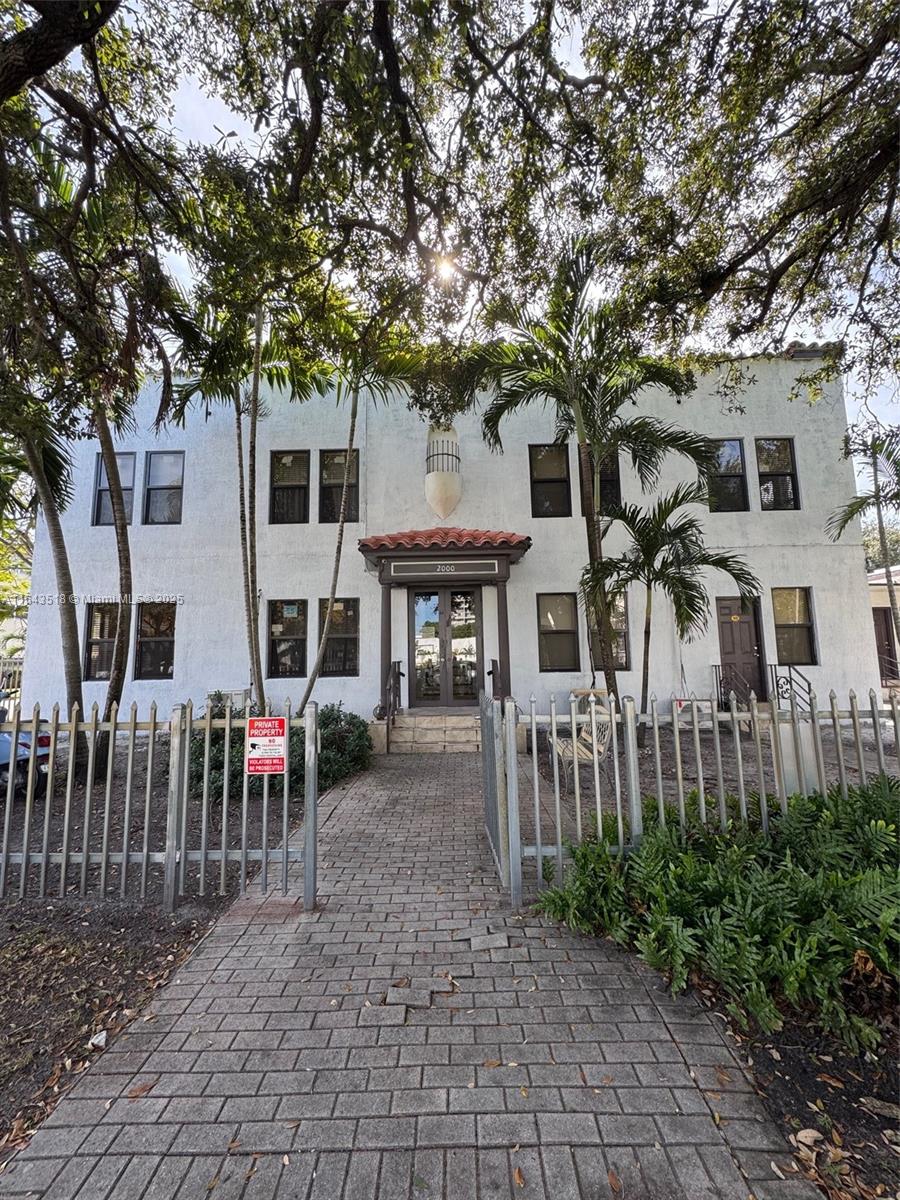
[
  {"x": 777, "y": 474},
  {"x": 103, "y": 513},
  {"x": 287, "y": 638},
  {"x": 342, "y": 643},
  {"x": 550, "y": 496},
  {"x": 557, "y": 614},
  {"x": 794, "y": 637},
  {"x": 619, "y": 620},
  {"x": 163, "y": 489},
  {"x": 331, "y": 484},
  {"x": 610, "y": 483},
  {"x": 289, "y": 500},
  {"x": 99, "y": 637},
  {"x": 154, "y": 656},
  {"x": 728, "y": 478}
]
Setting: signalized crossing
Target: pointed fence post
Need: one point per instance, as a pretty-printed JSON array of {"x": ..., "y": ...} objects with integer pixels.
[
  {"x": 512, "y": 806},
  {"x": 170, "y": 862},
  {"x": 632, "y": 771},
  {"x": 310, "y": 803}
]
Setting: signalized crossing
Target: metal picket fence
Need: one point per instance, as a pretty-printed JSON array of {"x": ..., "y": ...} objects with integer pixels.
[
  {"x": 153, "y": 809},
  {"x": 592, "y": 767}
]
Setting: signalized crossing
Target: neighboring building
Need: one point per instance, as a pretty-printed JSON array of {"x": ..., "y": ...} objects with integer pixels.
[
  {"x": 885, "y": 640},
  {"x": 455, "y": 557}
]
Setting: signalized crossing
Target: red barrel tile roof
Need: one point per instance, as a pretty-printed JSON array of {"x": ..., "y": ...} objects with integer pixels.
[{"x": 444, "y": 538}]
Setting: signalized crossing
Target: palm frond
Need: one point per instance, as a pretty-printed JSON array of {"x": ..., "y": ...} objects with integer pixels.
[{"x": 859, "y": 506}]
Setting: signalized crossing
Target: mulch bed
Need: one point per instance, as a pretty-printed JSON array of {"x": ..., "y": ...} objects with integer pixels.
[
  {"x": 70, "y": 971},
  {"x": 839, "y": 1110}
]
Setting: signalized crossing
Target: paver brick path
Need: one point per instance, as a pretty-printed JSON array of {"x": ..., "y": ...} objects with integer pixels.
[{"x": 543, "y": 1065}]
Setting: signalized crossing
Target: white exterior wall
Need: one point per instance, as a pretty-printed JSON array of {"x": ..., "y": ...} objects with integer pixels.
[{"x": 198, "y": 560}]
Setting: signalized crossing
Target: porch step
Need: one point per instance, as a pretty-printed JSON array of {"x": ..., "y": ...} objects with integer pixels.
[{"x": 435, "y": 733}]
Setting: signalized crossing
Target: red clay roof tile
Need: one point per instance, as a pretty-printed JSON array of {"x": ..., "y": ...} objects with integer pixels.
[{"x": 444, "y": 538}]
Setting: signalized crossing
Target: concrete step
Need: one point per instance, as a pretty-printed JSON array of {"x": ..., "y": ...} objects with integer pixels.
[{"x": 435, "y": 748}]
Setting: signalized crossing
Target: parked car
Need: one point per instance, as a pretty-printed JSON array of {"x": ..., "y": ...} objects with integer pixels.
[{"x": 18, "y": 761}]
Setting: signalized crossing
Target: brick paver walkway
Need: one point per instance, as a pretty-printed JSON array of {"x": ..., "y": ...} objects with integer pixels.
[{"x": 543, "y": 1065}]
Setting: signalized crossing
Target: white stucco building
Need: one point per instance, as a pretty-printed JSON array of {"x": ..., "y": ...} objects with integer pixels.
[{"x": 493, "y": 578}]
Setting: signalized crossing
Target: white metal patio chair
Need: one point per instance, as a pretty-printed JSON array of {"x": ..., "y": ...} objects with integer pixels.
[{"x": 582, "y": 752}]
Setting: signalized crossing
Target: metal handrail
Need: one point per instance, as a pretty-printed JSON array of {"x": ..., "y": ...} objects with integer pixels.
[
  {"x": 790, "y": 681},
  {"x": 496, "y": 680},
  {"x": 395, "y": 674}
]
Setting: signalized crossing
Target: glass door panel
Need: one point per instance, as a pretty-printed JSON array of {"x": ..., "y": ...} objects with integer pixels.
[
  {"x": 427, "y": 647},
  {"x": 463, "y": 639}
]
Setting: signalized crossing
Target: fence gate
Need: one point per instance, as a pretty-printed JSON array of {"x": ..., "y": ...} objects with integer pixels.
[
  {"x": 501, "y": 791},
  {"x": 155, "y": 809}
]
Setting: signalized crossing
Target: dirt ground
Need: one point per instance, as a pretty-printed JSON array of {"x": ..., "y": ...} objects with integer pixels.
[
  {"x": 813, "y": 1087},
  {"x": 148, "y": 818},
  {"x": 70, "y": 971}
]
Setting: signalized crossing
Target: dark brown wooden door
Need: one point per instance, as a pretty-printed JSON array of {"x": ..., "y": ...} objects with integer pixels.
[
  {"x": 887, "y": 648},
  {"x": 740, "y": 648}
]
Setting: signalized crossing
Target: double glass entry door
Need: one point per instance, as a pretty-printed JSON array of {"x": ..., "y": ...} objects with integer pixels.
[{"x": 445, "y": 649}]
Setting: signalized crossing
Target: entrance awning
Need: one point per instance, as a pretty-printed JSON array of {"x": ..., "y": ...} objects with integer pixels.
[
  {"x": 486, "y": 553},
  {"x": 438, "y": 557}
]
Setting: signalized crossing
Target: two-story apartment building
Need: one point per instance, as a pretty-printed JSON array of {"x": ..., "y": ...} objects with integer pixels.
[{"x": 455, "y": 556}]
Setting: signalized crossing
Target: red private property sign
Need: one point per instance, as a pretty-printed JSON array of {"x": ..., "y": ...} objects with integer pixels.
[{"x": 266, "y": 752}]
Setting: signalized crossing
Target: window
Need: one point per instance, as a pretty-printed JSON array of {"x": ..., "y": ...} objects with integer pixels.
[
  {"x": 610, "y": 485},
  {"x": 728, "y": 479},
  {"x": 154, "y": 656},
  {"x": 162, "y": 499},
  {"x": 289, "y": 501},
  {"x": 331, "y": 483},
  {"x": 103, "y": 514},
  {"x": 777, "y": 474},
  {"x": 557, "y": 631},
  {"x": 99, "y": 636},
  {"x": 549, "y": 466},
  {"x": 342, "y": 644},
  {"x": 793, "y": 627},
  {"x": 287, "y": 638},
  {"x": 619, "y": 619}
]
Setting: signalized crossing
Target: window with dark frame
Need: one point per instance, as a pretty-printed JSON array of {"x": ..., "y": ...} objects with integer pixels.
[
  {"x": 289, "y": 494},
  {"x": 557, "y": 616},
  {"x": 610, "y": 485},
  {"x": 619, "y": 621},
  {"x": 154, "y": 656},
  {"x": 777, "y": 467},
  {"x": 331, "y": 484},
  {"x": 342, "y": 643},
  {"x": 549, "y": 471},
  {"x": 287, "y": 639},
  {"x": 728, "y": 479},
  {"x": 99, "y": 638},
  {"x": 163, "y": 488},
  {"x": 103, "y": 513},
  {"x": 794, "y": 635}
]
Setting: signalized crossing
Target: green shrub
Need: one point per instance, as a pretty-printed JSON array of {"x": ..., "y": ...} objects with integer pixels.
[
  {"x": 805, "y": 917},
  {"x": 345, "y": 748}
]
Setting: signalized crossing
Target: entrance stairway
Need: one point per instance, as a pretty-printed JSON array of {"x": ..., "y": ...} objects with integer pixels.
[{"x": 436, "y": 732}]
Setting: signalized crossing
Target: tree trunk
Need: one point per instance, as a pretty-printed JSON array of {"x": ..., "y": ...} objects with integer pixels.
[
  {"x": 119, "y": 666},
  {"x": 595, "y": 556},
  {"x": 68, "y": 624},
  {"x": 345, "y": 491},
  {"x": 645, "y": 666},
  {"x": 242, "y": 526},
  {"x": 885, "y": 552},
  {"x": 251, "y": 510}
]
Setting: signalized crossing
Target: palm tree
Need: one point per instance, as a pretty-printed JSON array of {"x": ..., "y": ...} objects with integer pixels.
[
  {"x": 381, "y": 360},
  {"x": 881, "y": 453},
  {"x": 667, "y": 553},
  {"x": 578, "y": 357},
  {"x": 229, "y": 355}
]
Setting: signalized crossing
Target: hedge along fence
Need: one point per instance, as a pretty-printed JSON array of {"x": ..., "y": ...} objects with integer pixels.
[
  {"x": 804, "y": 917},
  {"x": 345, "y": 748}
]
